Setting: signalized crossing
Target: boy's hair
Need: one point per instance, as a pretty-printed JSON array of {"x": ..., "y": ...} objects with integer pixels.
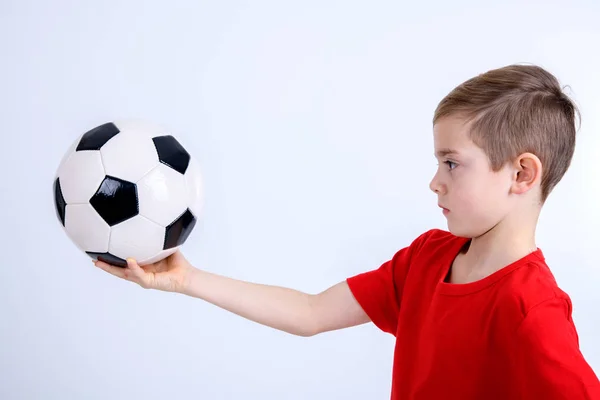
[{"x": 517, "y": 109}]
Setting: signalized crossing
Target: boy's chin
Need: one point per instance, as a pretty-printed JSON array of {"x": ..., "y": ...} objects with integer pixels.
[
  {"x": 469, "y": 231},
  {"x": 461, "y": 231}
]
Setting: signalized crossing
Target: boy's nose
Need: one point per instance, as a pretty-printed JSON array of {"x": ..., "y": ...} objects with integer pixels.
[{"x": 435, "y": 185}]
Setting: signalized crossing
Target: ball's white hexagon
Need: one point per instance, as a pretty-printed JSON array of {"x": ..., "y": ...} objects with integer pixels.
[
  {"x": 80, "y": 176},
  {"x": 141, "y": 127},
  {"x": 195, "y": 187},
  {"x": 67, "y": 154},
  {"x": 86, "y": 228},
  {"x": 159, "y": 256},
  {"x": 162, "y": 195},
  {"x": 138, "y": 238},
  {"x": 129, "y": 155}
]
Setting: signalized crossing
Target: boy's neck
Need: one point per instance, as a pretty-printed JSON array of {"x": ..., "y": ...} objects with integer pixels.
[{"x": 494, "y": 250}]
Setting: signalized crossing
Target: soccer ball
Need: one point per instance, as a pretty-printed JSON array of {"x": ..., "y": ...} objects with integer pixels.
[{"x": 128, "y": 189}]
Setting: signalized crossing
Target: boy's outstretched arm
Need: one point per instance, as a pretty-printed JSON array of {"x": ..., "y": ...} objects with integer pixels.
[
  {"x": 281, "y": 308},
  {"x": 278, "y": 307}
]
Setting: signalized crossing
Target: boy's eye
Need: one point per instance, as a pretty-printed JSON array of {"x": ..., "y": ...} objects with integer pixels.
[{"x": 450, "y": 164}]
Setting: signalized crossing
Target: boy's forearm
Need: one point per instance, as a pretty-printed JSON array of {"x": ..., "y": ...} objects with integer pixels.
[{"x": 277, "y": 307}]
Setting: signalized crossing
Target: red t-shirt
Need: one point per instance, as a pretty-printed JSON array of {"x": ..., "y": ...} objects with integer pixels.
[{"x": 507, "y": 336}]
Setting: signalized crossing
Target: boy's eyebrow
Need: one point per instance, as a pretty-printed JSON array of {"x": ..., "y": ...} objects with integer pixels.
[{"x": 446, "y": 152}]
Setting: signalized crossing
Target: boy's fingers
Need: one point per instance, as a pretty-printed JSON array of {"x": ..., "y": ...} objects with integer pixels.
[
  {"x": 132, "y": 272},
  {"x": 111, "y": 269},
  {"x": 136, "y": 271},
  {"x": 141, "y": 276},
  {"x": 134, "y": 267}
]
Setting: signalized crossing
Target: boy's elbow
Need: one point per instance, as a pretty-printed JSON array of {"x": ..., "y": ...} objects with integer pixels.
[
  {"x": 309, "y": 324},
  {"x": 307, "y": 331}
]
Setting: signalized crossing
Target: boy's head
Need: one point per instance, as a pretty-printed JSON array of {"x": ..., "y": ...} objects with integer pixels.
[{"x": 514, "y": 132}]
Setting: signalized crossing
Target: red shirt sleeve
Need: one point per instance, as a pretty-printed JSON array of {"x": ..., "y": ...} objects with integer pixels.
[
  {"x": 547, "y": 361},
  {"x": 379, "y": 291}
]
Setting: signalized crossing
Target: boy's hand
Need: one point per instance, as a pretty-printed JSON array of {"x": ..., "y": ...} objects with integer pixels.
[{"x": 169, "y": 274}]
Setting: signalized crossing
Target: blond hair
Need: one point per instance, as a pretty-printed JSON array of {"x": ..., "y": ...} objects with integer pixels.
[{"x": 517, "y": 109}]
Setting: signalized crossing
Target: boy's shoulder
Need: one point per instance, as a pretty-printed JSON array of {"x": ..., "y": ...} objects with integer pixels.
[
  {"x": 530, "y": 286},
  {"x": 434, "y": 237},
  {"x": 436, "y": 243},
  {"x": 518, "y": 287}
]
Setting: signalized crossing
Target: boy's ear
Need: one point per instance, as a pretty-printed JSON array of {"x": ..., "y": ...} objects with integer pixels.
[{"x": 527, "y": 173}]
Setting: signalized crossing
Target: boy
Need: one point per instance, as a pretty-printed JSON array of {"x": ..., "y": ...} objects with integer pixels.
[{"x": 475, "y": 311}]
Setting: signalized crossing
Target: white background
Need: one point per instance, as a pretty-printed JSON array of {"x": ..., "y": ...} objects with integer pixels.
[{"x": 312, "y": 123}]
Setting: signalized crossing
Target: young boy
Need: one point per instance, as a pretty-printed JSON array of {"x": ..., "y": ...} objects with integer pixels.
[{"x": 475, "y": 310}]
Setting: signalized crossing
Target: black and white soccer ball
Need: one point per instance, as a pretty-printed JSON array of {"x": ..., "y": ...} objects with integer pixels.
[{"x": 128, "y": 189}]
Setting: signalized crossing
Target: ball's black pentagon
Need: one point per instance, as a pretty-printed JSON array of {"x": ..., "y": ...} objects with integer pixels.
[
  {"x": 108, "y": 258},
  {"x": 95, "y": 138},
  {"x": 171, "y": 153},
  {"x": 116, "y": 200},
  {"x": 59, "y": 202},
  {"x": 178, "y": 231}
]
